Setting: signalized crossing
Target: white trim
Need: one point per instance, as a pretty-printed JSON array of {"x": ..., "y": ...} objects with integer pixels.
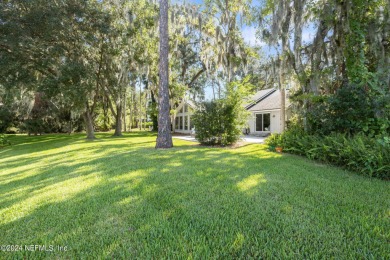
[
  {"x": 183, "y": 116},
  {"x": 264, "y": 111},
  {"x": 181, "y": 105},
  {"x": 183, "y": 131}
]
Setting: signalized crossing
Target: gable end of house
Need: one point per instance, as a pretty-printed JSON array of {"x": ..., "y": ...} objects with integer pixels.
[{"x": 260, "y": 99}]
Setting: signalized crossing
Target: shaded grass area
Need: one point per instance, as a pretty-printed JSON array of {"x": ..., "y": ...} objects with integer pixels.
[{"x": 121, "y": 198}]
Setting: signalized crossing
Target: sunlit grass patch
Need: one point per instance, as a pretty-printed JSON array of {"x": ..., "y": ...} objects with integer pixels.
[
  {"x": 251, "y": 182},
  {"x": 121, "y": 198}
]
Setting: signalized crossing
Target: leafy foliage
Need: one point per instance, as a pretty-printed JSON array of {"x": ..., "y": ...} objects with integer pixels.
[
  {"x": 208, "y": 123},
  {"x": 343, "y": 71},
  {"x": 220, "y": 122},
  {"x": 351, "y": 110},
  {"x": 4, "y": 141},
  {"x": 7, "y": 119},
  {"x": 359, "y": 153},
  {"x": 90, "y": 55}
]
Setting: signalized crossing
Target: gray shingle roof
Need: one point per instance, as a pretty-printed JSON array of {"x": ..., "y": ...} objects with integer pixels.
[
  {"x": 260, "y": 94},
  {"x": 267, "y": 99}
]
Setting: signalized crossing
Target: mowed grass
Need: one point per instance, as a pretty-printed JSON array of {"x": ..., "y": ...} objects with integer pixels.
[{"x": 121, "y": 198}]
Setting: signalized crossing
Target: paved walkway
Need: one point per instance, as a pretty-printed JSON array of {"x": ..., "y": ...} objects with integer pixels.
[
  {"x": 245, "y": 138},
  {"x": 253, "y": 139}
]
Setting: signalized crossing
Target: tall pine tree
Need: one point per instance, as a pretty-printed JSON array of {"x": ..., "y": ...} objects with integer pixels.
[{"x": 164, "y": 138}]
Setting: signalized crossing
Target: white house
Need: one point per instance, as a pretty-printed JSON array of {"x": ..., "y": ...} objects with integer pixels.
[
  {"x": 182, "y": 122},
  {"x": 264, "y": 115},
  {"x": 265, "y": 112}
]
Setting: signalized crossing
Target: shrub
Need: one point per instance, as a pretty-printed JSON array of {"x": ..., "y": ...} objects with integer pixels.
[
  {"x": 273, "y": 141},
  {"x": 4, "y": 141},
  {"x": 351, "y": 110},
  {"x": 34, "y": 126},
  {"x": 220, "y": 122},
  {"x": 213, "y": 124},
  {"x": 6, "y": 119},
  {"x": 359, "y": 153}
]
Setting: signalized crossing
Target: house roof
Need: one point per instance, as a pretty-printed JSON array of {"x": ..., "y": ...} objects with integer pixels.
[
  {"x": 186, "y": 101},
  {"x": 262, "y": 94},
  {"x": 267, "y": 99},
  {"x": 190, "y": 103}
]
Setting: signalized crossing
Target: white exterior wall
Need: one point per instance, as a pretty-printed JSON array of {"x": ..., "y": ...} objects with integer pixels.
[
  {"x": 275, "y": 121},
  {"x": 182, "y": 116},
  {"x": 252, "y": 122}
]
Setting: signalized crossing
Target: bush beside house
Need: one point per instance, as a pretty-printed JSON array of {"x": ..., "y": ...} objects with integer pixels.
[{"x": 220, "y": 122}]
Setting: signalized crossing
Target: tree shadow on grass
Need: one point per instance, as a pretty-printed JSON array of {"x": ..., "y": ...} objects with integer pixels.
[
  {"x": 188, "y": 201},
  {"x": 31, "y": 152},
  {"x": 31, "y": 144},
  {"x": 127, "y": 211}
]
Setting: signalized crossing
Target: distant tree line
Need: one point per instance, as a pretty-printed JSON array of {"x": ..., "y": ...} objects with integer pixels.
[{"x": 72, "y": 65}]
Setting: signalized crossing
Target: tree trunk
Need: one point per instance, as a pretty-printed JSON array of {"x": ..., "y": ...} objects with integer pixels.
[
  {"x": 70, "y": 127},
  {"x": 118, "y": 120},
  {"x": 70, "y": 123},
  {"x": 164, "y": 138},
  {"x": 124, "y": 112},
  {"x": 89, "y": 125},
  {"x": 105, "y": 114},
  {"x": 282, "y": 68},
  {"x": 282, "y": 97},
  {"x": 117, "y": 113},
  {"x": 283, "y": 109},
  {"x": 153, "y": 115},
  {"x": 131, "y": 109},
  {"x": 219, "y": 89},
  {"x": 213, "y": 87},
  {"x": 146, "y": 111},
  {"x": 140, "y": 107}
]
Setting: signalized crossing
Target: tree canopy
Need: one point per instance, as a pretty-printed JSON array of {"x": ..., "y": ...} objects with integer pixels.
[{"x": 94, "y": 64}]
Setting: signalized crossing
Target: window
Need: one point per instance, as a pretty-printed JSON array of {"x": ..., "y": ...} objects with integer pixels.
[
  {"x": 267, "y": 122},
  {"x": 185, "y": 122},
  {"x": 263, "y": 122},
  {"x": 180, "y": 122},
  {"x": 177, "y": 123}
]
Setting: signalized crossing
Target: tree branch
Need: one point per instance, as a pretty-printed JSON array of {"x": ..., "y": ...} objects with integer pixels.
[{"x": 196, "y": 76}]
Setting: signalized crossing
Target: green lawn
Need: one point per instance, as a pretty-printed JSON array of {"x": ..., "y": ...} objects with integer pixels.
[{"x": 121, "y": 198}]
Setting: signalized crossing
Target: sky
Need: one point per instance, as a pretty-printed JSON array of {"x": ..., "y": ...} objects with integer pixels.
[
  {"x": 249, "y": 32},
  {"x": 249, "y": 35}
]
